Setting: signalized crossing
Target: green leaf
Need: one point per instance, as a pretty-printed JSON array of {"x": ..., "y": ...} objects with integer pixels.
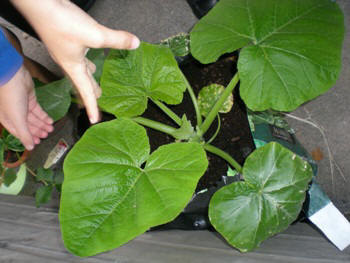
[
  {"x": 272, "y": 117},
  {"x": 130, "y": 77},
  {"x": 108, "y": 198},
  {"x": 45, "y": 175},
  {"x": 58, "y": 177},
  {"x": 291, "y": 49},
  {"x": 185, "y": 132},
  {"x": 55, "y": 98},
  {"x": 246, "y": 213},
  {"x": 208, "y": 96},
  {"x": 10, "y": 176},
  {"x": 43, "y": 195},
  {"x": 97, "y": 56},
  {"x": 38, "y": 83},
  {"x": 11, "y": 142},
  {"x": 231, "y": 172},
  {"x": 179, "y": 44}
]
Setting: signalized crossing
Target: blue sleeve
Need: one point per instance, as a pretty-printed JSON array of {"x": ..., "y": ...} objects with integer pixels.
[{"x": 10, "y": 60}]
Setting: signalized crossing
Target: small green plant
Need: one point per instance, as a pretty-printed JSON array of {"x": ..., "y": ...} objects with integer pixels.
[
  {"x": 115, "y": 189},
  {"x": 49, "y": 180},
  {"x": 12, "y": 148},
  {"x": 8, "y": 143}
]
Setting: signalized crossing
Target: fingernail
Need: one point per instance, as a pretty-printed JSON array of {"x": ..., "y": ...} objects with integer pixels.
[
  {"x": 50, "y": 121},
  {"x": 135, "y": 43},
  {"x": 93, "y": 120},
  {"x": 30, "y": 147}
]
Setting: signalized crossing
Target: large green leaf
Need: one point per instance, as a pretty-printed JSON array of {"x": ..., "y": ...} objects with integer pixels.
[
  {"x": 108, "y": 198},
  {"x": 130, "y": 77},
  {"x": 270, "y": 198},
  {"x": 55, "y": 98},
  {"x": 291, "y": 49}
]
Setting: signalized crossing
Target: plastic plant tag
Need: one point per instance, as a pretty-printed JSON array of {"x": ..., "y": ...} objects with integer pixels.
[
  {"x": 319, "y": 209},
  {"x": 56, "y": 153},
  {"x": 328, "y": 218}
]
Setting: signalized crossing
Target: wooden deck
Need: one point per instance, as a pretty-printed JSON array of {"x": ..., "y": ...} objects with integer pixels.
[{"x": 28, "y": 234}]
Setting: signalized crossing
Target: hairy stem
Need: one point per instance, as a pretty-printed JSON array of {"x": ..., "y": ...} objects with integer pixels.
[
  {"x": 218, "y": 105},
  {"x": 224, "y": 155},
  {"x": 172, "y": 115},
  {"x": 155, "y": 125}
]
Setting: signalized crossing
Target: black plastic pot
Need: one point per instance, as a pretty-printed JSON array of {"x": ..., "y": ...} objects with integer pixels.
[{"x": 201, "y": 7}]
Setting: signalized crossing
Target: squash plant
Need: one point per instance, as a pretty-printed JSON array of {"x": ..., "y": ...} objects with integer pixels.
[{"x": 115, "y": 189}]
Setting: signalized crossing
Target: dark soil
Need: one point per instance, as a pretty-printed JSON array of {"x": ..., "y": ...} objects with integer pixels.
[{"x": 234, "y": 136}]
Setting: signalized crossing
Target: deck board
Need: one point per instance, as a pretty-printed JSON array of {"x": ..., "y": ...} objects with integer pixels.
[{"x": 28, "y": 234}]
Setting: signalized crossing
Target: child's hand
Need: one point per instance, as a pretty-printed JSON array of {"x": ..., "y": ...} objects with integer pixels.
[
  {"x": 68, "y": 33},
  {"x": 20, "y": 112}
]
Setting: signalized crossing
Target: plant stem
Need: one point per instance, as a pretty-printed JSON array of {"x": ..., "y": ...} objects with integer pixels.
[
  {"x": 75, "y": 100},
  {"x": 218, "y": 104},
  {"x": 224, "y": 155},
  {"x": 168, "y": 112},
  {"x": 216, "y": 132},
  {"x": 155, "y": 125},
  {"x": 34, "y": 174},
  {"x": 194, "y": 102}
]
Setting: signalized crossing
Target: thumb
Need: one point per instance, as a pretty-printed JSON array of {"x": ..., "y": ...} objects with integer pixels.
[{"x": 119, "y": 39}]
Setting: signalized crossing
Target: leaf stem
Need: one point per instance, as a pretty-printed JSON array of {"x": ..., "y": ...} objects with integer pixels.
[
  {"x": 218, "y": 104},
  {"x": 34, "y": 174},
  {"x": 168, "y": 112},
  {"x": 75, "y": 100},
  {"x": 224, "y": 155},
  {"x": 194, "y": 102},
  {"x": 155, "y": 125},
  {"x": 217, "y": 130}
]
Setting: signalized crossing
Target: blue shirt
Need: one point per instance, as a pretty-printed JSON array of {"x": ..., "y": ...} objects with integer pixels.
[{"x": 10, "y": 60}]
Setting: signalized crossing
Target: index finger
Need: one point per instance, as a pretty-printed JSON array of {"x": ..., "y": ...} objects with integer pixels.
[{"x": 83, "y": 81}]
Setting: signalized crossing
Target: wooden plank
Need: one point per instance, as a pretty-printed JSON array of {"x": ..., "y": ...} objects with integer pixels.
[{"x": 31, "y": 233}]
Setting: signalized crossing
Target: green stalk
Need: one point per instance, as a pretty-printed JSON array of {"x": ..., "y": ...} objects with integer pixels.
[
  {"x": 224, "y": 155},
  {"x": 217, "y": 130},
  {"x": 75, "y": 100},
  {"x": 218, "y": 105},
  {"x": 155, "y": 125},
  {"x": 194, "y": 102},
  {"x": 172, "y": 115}
]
